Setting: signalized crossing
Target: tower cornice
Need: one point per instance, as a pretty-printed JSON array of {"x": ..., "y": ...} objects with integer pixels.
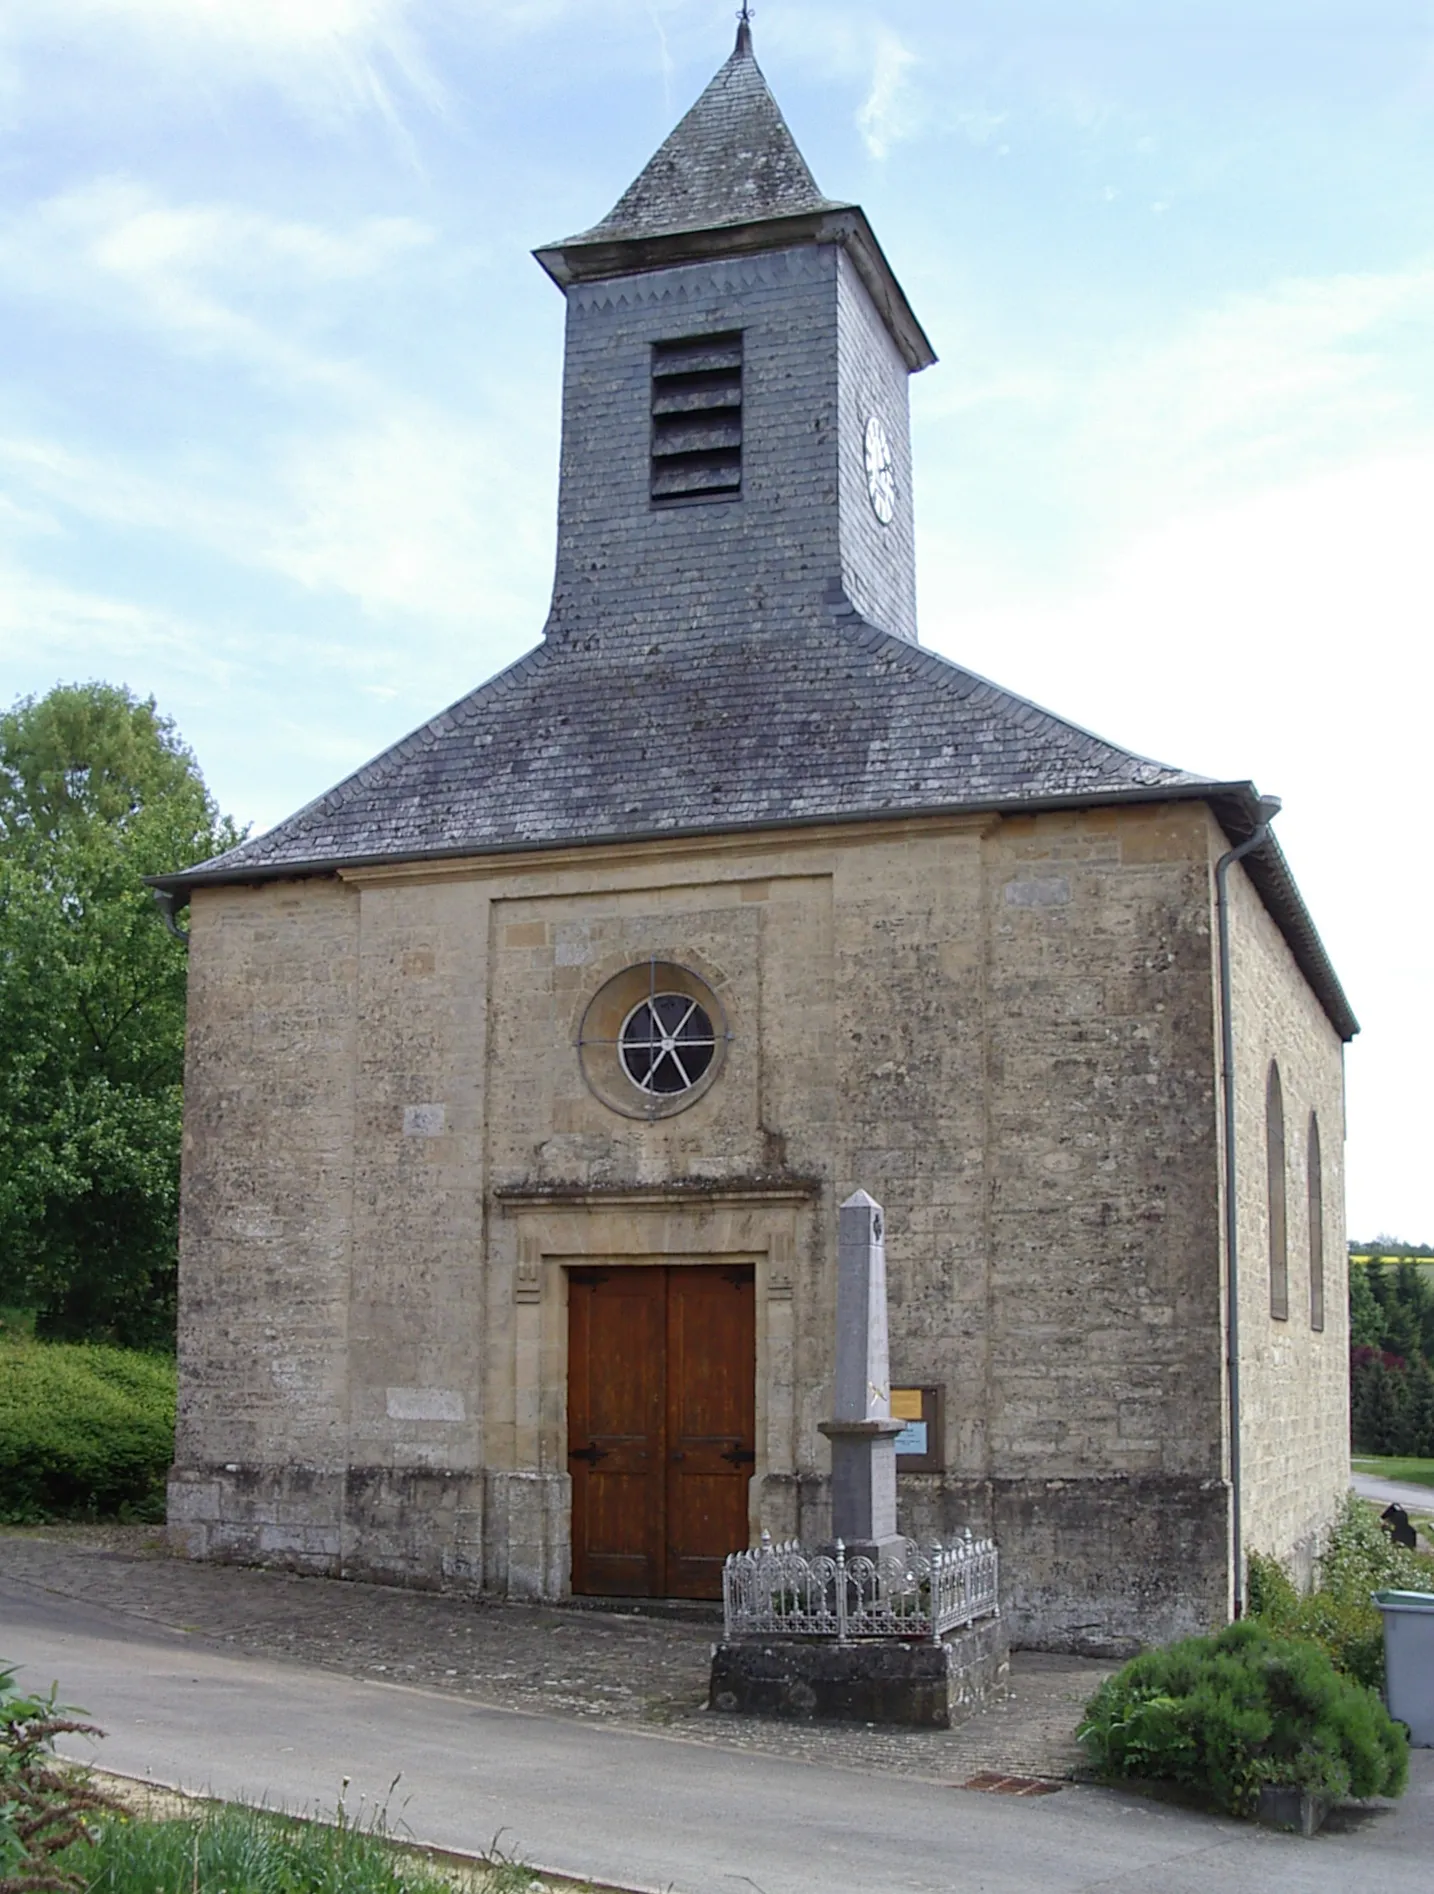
[{"x": 586, "y": 259}]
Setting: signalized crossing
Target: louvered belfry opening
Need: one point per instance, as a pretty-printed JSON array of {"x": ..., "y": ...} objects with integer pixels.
[{"x": 697, "y": 417}]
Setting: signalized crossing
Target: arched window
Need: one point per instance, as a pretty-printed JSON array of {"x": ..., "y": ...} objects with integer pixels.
[
  {"x": 1275, "y": 1176},
  {"x": 1316, "y": 1189}
]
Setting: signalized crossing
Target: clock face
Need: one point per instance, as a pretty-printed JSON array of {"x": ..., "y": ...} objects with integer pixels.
[{"x": 880, "y": 473}]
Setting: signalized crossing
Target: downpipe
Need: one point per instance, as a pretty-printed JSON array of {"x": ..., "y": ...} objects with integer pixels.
[
  {"x": 168, "y": 904},
  {"x": 1269, "y": 808}
]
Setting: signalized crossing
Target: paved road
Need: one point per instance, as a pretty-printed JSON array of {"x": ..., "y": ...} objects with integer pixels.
[
  {"x": 1417, "y": 1499},
  {"x": 645, "y": 1811}
]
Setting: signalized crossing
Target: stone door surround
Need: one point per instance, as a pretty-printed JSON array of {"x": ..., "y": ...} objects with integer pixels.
[{"x": 546, "y": 1231}]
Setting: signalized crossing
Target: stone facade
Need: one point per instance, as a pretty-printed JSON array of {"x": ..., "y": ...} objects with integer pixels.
[
  {"x": 963, "y": 953},
  {"x": 1003, "y": 1027}
]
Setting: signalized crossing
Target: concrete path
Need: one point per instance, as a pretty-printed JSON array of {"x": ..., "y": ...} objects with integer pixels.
[
  {"x": 1414, "y": 1499},
  {"x": 644, "y": 1811}
]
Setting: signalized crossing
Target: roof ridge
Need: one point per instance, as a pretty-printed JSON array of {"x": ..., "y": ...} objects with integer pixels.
[{"x": 945, "y": 671}]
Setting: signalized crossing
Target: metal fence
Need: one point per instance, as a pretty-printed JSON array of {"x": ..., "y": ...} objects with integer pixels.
[{"x": 913, "y": 1592}]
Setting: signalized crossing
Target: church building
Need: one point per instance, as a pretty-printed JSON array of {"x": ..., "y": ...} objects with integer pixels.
[{"x": 527, "y": 1068}]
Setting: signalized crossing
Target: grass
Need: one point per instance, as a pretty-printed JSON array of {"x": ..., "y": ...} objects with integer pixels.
[
  {"x": 245, "y": 1852},
  {"x": 1386, "y": 1467},
  {"x": 221, "y": 1848}
]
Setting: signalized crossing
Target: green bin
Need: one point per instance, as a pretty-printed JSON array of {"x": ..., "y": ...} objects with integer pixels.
[{"x": 1409, "y": 1661}]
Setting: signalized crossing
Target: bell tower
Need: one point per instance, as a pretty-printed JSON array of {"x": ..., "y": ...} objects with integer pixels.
[{"x": 736, "y": 442}]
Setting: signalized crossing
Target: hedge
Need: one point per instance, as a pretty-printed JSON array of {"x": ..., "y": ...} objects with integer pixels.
[{"x": 86, "y": 1431}]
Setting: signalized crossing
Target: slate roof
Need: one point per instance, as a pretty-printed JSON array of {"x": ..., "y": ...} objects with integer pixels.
[
  {"x": 731, "y": 160},
  {"x": 698, "y": 733}
]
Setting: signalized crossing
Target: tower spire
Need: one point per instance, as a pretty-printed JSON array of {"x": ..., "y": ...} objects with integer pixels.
[{"x": 728, "y": 181}]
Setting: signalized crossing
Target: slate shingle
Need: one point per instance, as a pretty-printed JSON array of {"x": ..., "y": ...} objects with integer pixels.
[{"x": 731, "y": 160}]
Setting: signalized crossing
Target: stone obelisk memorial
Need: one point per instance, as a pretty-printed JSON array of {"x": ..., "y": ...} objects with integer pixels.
[
  {"x": 864, "y": 1673},
  {"x": 861, "y": 1430}
]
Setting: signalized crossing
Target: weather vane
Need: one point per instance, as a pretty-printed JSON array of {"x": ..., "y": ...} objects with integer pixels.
[{"x": 745, "y": 15}]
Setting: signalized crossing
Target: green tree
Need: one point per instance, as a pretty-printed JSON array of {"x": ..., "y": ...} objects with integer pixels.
[
  {"x": 1417, "y": 1436},
  {"x": 1377, "y": 1408},
  {"x": 1366, "y": 1318},
  {"x": 96, "y": 791},
  {"x": 1378, "y": 1283},
  {"x": 1405, "y": 1306}
]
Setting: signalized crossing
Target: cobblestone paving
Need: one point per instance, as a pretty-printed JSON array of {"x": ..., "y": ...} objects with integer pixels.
[{"x": 600, "y": 1666}]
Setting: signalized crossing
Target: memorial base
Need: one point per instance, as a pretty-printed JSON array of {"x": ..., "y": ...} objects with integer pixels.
[{"x": 924, "y": 1686}]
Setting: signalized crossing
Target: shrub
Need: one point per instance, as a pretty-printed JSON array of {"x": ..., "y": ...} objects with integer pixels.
[
  {"x": 1224, "y": 1715},
  {"x": 85, "y": 1431},
  {"x": 1361, "y": 1557},
  {"x": 43, "y": 1802},
  {"x": 1338, "y": 1614}
]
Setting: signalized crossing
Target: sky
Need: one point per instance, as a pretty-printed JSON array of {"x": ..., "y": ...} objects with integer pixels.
[{"x": 279, "y": 383}]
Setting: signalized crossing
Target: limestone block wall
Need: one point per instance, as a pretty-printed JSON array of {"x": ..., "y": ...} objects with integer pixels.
[
  {"x": 266, "y": 1226},
  {"x": 327, "y": 1417},
  {"x": 416, "y": 1300},
  {"x": 1294, "y": 1378},
  {"x": 1099, "y": 1430}
]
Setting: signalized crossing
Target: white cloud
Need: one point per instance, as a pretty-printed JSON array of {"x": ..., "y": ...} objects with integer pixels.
[
  {"x": 409, "y": 513},
  {"x": 16, "y": 519},
  {"x": 1284, "y": 637},
  {"x": 331, "y": 57},
  {"x": 1311, "y": 365},
  {"x": 362, "y": 491},
  {"x": 415, "y": 515},
  {"x": 1258, "y": 391},
  {"x": 111, "y": 489},
  {"x": 85, "y": 633},
  {"x": 885, "y": 116},
  {"x": 290, "y": 24},
  {"x": 117, "y": 249},
  {"x": 977, "y": 124}
]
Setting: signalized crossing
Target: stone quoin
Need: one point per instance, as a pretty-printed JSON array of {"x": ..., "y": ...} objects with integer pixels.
[{"x": 528, "y": 1067}]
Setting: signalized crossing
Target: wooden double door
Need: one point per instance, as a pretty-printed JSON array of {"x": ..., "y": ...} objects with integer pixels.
[{"x": 661, "y": 1425}]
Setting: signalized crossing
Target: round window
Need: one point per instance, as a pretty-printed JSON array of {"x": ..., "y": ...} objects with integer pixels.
[
  {"x": 653, "y": 1039},
  {"x": 666, "y": 1044}
]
